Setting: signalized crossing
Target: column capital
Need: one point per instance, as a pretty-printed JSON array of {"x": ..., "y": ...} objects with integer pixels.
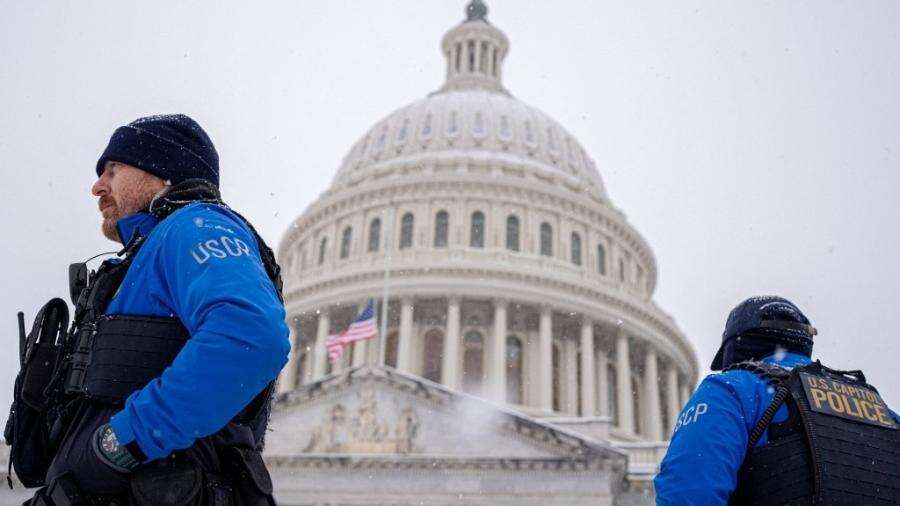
[
  {"x": 501, "y": 302},
  {"x": 407, "y": 299},
  {"x": 454, "y": 299}
]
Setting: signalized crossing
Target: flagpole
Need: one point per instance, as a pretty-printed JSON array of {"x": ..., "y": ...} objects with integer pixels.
[{"x": 382, "y": 342}]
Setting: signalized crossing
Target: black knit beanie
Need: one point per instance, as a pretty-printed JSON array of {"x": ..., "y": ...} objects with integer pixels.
[{"x": 172, "y": 147}]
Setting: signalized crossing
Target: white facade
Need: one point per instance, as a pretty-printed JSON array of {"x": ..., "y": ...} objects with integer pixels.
[{"x": 512, "y": 276}]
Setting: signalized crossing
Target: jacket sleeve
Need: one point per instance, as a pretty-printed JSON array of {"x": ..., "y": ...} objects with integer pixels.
[
  {"x": 709, "y": 443},
  {"x": 211, "y": 270}
]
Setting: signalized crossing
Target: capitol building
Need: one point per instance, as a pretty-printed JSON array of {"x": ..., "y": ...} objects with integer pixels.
[{"x": 524, "y": 359}]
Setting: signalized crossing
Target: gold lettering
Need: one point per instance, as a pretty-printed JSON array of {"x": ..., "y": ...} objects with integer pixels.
[
  {"x": 850, "y": 412},
  {"x": 834, "y": 400},
  {"x": 818, "y": 396},
  {"x": 864, "y": 407},
  {"x": 872, "y": 397},
  {"x": 882, "y": 416}
]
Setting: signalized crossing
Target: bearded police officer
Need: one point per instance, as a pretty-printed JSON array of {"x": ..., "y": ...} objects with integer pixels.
[
  {"x": 160, "y": 392},
  {"x": 776, "y": 428}
]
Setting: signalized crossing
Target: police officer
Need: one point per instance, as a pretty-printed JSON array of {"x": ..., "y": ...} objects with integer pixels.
[
  {"x": 163, "y": 397},
  {"x": 777, "y": 428}
]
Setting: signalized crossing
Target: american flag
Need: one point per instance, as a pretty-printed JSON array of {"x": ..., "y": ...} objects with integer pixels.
[{"x": 363, "y": 327}]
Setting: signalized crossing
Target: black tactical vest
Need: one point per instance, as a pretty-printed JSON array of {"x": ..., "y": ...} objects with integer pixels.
[
  {"x": 104, "y": 358},
  {"x": 839, "y": 444}
]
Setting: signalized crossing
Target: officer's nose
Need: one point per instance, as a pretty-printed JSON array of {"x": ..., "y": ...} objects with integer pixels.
[{"x": 100, "y": 187}]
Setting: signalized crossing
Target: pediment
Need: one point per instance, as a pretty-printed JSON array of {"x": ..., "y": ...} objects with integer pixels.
[{"x": 381, "y": 412}]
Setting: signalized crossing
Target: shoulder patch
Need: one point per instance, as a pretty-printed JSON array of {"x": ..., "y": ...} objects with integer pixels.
[{"x": 833, "y": 397}]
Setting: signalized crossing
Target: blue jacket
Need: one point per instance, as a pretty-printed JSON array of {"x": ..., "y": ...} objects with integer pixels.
[
  {"x": 711, "y": 435},
  {"x": 202, "y": 265}
]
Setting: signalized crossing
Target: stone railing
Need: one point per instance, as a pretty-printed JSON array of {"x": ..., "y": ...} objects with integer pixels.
[{"x": 643, "y": 458}]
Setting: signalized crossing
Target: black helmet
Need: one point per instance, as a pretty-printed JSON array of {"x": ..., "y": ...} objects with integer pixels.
[{"x": 773, "y": 320}]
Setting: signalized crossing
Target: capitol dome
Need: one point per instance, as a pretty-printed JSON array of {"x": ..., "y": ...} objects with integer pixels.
[{"x": 508, "y": 272}]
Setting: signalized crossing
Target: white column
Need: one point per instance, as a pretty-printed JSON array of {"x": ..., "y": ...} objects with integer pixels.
[
  {"x": 404, "y": 346},
  {"x": 602, "y": 383},
  {"x": 288, "y": 378},
  {"x": 545, "y": 358},
  {"x": 588, "y": 373},
  {"x": 651, "y": 395},
  {"x": 496, "y": 387},
  {"x": 359, "y": 353},
  {"x": 570, "y": 371},
  {"x": 478, "y": 68},
  {"x": 673, "y": 407},
  {"x": 623, "y": 384},
  {"x": 320, "y": 353},
  {"x": 450, "y": 361}
]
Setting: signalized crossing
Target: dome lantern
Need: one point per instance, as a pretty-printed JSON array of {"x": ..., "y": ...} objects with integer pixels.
[{"x": 475, "y": 50}]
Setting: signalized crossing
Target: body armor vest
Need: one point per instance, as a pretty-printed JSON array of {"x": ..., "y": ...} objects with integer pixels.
[
  {"x": 838, "y": 445},
  {"x": 104, "y": 358}
]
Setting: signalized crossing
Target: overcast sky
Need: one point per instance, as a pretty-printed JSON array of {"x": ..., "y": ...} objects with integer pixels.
[{"x": 756, "y": 145}]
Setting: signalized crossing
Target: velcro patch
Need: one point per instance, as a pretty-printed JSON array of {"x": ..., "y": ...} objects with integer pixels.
[{"x": 852, "y": 402}]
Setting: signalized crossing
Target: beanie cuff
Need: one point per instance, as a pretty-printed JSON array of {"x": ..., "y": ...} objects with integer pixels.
[{"x": 154, "y": 154}]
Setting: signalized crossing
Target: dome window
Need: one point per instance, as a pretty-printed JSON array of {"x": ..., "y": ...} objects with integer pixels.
[
  {"x": 453, "y": 124},
  {"x": 441, "y": 226},
  {"x": 476, "y": 232},
  {"x": 322, "y": 247},
  {"x": 529, "y": 133},
  {"x": 478, "y": 126},
  {"x": 546, "y": 239},
  {"x": 426, "y": 127},
  {"x": 512, "y": 233},
  {"x": 576, "y": 248},
  {"x": 601, "y": 259},
  {"x": 374, "y": 235},
  {"x": 505, "y": 133},
  {"x": 406, "y": 231},
  {"x": 346, "y": 237},
  {"x": 401, "y": 134},
  {"x": 382, "y": 138},
  {"x": 552, "y": 145}
]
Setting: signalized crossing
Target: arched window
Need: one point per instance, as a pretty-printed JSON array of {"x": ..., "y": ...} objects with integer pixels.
[
  {"x": 601, "y": 259},
  {"x": 546, "y": 239},
  {"x": 374, "y": 234},
  {"x": 576, "y": 248},
  {"x": 441, "y": 225},
  {"x": 345, "y": 242},
  {"x": 406, "y": 231},
  {"x": 621, "y": 270},
  {"x": 476, "y": 235},
  {"x": 390, "y": 349},
  {"x": 473, "y": 368},
  {"x": 557, "y": 378},
  {"x": 512, "y": 233},
  {"x": 322, "y": 247},
  {"x": 514, "y": 393},
  {"x": 434, "y": 353}
]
